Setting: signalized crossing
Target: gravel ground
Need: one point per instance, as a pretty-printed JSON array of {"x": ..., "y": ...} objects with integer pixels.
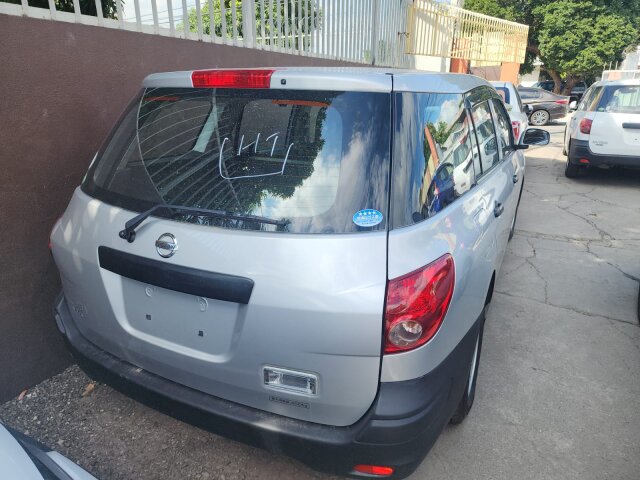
[{"x": 114, "y": 437}]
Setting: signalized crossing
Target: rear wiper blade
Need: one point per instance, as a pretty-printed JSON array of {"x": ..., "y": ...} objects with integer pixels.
[{"x": 129, "y": 231}]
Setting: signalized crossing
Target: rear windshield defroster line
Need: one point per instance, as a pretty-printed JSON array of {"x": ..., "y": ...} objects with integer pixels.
[{"x": 309, "y": 159}]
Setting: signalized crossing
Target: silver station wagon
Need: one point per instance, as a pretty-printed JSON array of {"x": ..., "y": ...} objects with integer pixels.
[{"x": 299, "y": 259}]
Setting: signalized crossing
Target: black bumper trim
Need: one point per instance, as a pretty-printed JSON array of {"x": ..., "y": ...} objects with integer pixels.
[
  {"x": 398, "y": 430},
  {"x": 579, "y": 149}
]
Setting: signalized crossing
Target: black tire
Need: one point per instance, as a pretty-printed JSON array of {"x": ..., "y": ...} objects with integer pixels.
[
  {"x": 513, "y": 224},
  {"x": 466, "y": 402},
  {"x": 571, "y": 170}
]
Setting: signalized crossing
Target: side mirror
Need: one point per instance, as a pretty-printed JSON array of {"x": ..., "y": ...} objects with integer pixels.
[
  {"x": 573, "y": 106},
  {"x": 533, "y": 137},
  {"x": 528, "y": 109}
]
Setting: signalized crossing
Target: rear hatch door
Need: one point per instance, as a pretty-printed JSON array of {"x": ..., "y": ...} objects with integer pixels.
[
  {"x": 616, "y": 124},
  {"x": 286, "y": 318}
]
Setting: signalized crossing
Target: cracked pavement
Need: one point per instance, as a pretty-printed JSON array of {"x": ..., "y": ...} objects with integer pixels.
[{"x": 559, "y": 380}]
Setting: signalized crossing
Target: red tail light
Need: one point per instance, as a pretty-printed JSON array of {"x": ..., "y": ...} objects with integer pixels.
[
  {"x": 416, "y": 305},
  {"x": 376, "y": 470},
  {"x": 585, "y": 126},
  {"x": 516, "y": 129},
  {"x": 232, "y": 78},
  {"x": 563, "y": 101}
]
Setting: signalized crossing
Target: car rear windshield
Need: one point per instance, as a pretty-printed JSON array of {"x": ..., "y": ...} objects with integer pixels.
[
  {"x": 313, "y": 159},
  {"x": 620, "y": 99}
]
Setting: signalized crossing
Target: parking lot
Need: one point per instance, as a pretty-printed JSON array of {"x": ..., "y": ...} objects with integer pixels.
[{"x": 559, "y": 383}]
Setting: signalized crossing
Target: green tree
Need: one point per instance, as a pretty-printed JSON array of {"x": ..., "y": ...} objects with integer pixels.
[
  {"x": 576, "y": 38},
  {"x": 589, "y": 34},
  {"x": 282, "y": 11}
]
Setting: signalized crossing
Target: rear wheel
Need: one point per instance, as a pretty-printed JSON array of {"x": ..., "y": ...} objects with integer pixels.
[
  {"x": 466, "y": 402},
  {"x": 571, "y": 170},
  {"x": 539, "y": 118}
]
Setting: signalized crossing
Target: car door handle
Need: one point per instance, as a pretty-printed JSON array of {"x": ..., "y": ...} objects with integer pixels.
[
  {"x": 515, "y": 178},
  {"x": 498, "y": 209}
]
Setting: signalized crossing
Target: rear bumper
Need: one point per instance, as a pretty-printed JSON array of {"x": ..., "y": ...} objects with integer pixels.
[
  {"x": 579, "y": 149},
  {"x": 398, "y": 430}
]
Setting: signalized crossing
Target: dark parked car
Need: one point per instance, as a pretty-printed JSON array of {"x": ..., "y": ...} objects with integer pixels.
[
  {"x": 545, "y": 106},
  {"x": 576, "y": 92}
]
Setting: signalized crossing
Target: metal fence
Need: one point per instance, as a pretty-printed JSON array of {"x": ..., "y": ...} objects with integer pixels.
[
  {"x": 359, "y": 31},
  {"x": 378, "y": 32},
  {"x": 443, "y": 30}
]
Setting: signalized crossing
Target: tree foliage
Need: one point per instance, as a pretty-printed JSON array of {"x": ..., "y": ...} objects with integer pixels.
[
  {"x": 576, "y": 38},
  {"x": 573, "y": 38},
  {"x": 283, "y": 12}
]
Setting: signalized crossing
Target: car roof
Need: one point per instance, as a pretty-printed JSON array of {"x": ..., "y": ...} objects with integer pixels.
[
  {"x": 628, "y": 81},
  {"x": 501, "y": 84},
  {"x": 342, "y": 78}
]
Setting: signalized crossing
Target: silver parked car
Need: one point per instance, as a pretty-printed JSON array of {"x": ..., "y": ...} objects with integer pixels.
[{"x": 296, "y": 258}]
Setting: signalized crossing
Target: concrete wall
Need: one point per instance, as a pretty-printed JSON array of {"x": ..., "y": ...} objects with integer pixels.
[{"x": 63, "y": 86}]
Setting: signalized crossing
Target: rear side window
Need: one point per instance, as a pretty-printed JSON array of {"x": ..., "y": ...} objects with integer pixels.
[
  {"x": 312, "y": 159},
  {"x": 585, "y": 99},
  {"x": 529, "y": 93},
  {"x": 503, "y": 127},
  {"x": 433, "y": 155},
  {"x": 592, "y": 102},
  {"x": 620, "y": 99},
  {"x": 487, "y": 138}
]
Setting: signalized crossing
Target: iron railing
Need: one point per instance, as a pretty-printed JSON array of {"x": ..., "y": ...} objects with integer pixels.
[
  {"x": 375, "y": 32},
  {"x": 442, "y": 30},
  {"x": 359, "y": 31}
]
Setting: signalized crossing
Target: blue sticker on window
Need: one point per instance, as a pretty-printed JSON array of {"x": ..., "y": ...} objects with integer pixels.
[{"x": 367, "y": 218}]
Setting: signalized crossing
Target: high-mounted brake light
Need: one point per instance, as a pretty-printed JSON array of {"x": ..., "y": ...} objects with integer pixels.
[
  {"x": 232, "y": 78},
  {"x": 417, "y": 304},
  {"x": 585, "y": 126},
  {"x": 373, "y": 470}
]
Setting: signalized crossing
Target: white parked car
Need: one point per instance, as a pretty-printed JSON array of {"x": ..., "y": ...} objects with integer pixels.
[
  {"x": 518, "y": 112},
  {"x": 605, "y": 129}
]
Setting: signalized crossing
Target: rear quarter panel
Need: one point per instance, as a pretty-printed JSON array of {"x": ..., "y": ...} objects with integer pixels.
[{"x": 466, "y": 230}]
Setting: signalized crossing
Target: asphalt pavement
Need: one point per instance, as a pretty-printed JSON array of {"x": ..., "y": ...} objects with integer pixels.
[{"x": 559, "y": 380}]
